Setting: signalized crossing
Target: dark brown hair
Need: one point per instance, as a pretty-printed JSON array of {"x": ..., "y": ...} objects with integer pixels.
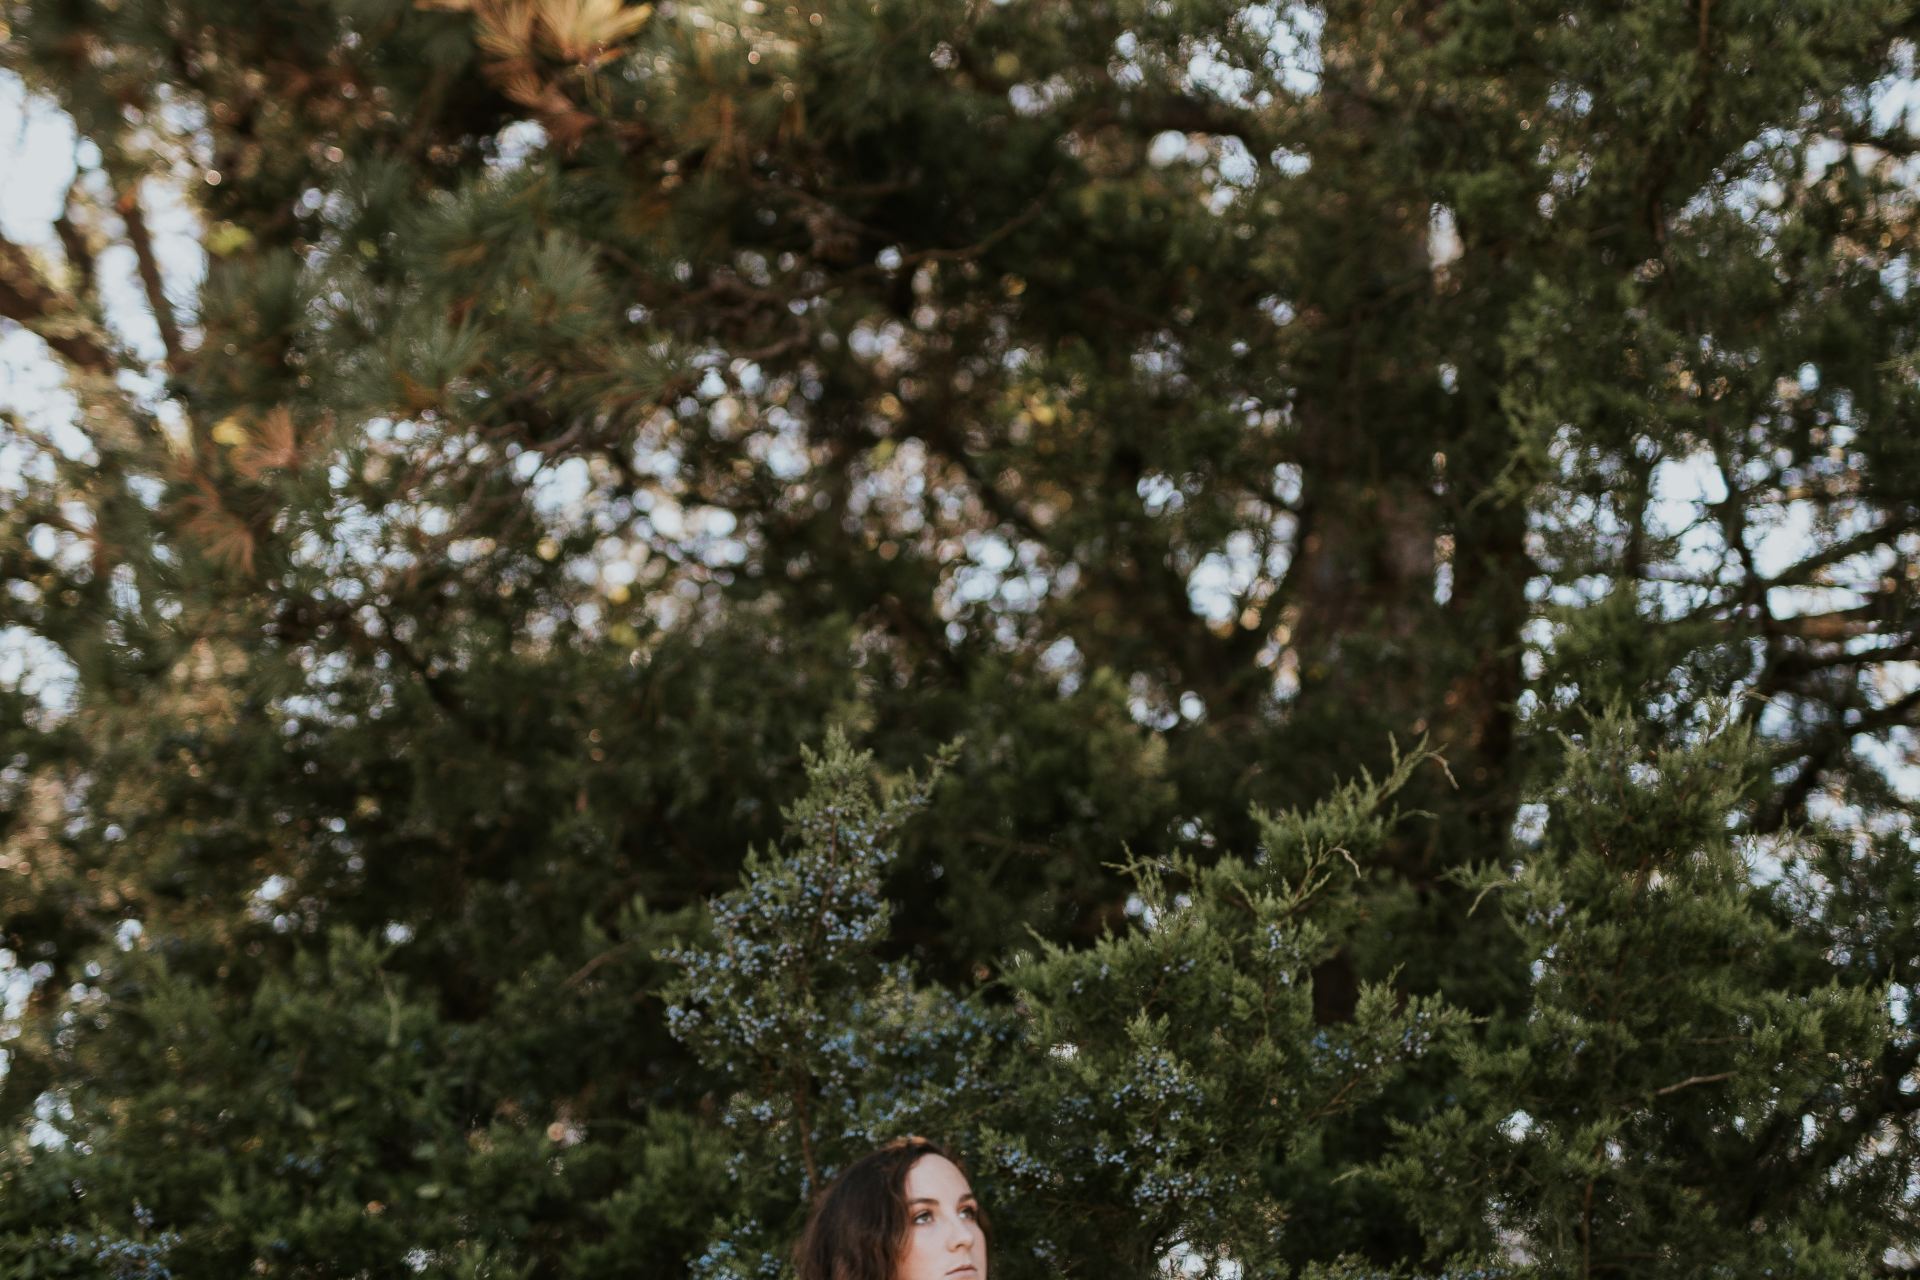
[{"x": 858, "y": 1226}]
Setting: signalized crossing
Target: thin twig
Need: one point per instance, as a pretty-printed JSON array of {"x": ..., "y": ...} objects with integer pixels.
[
  {"x": 1690, "y": 1081},
  {"x": 587, "y": 970}
]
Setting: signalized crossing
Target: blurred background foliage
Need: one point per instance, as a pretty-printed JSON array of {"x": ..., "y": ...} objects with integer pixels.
[{"x": 488, "y": 464}]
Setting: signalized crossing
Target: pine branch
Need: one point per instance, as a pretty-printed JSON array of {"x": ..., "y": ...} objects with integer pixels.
[
  {"x": 1826, "y": 750},
  {"x": 58, "y": 319},
  {"x": 1691, "y": 1081},
  {"x": 1783, "y": 1158},
  {"x": 1838, "y": 624},
  {"x": 1802, "y": 572},
  {"x": 73, "y": 240},
  {"x": 141, "y": 238},
  {"x": 1801, "y": 663}
]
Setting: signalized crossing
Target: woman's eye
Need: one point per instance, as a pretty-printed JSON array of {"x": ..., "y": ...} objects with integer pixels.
[
  {"x": 969, "y": 1212},
  {"x": 921, "y": 1218}
]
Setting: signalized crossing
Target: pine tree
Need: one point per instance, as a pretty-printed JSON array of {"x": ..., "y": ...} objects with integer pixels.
[
  {"x": 1123, "y": 1105},
  {"x": 1611, "y": 1129},
  {"x": 486, "y": 444}
]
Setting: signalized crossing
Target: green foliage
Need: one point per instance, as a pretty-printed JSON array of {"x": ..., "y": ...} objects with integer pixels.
[
  {"x": 1119, "y": 1102},
  {"x": 1677, "y": 1043},
  {"x": 1184, "y": 1059},
  {"x": 542, "y": 424}
]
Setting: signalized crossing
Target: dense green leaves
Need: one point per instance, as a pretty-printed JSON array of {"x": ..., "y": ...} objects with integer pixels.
[
  {"x": 498, "y": 493},
  {"x": 1610, "y": 1127},
  {"x": 1126, "y": 1102}
]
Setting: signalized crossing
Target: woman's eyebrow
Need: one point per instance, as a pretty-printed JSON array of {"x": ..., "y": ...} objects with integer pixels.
[{"x": 923, "y": 1200}]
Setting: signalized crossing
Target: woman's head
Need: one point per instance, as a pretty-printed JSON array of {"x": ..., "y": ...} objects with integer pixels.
[{"x": 904, "y": 1212}]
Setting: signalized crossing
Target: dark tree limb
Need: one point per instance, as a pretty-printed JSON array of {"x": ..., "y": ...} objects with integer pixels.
[
  {"x": 74, "y": 242},
  {"x": 1787, "y": 806},
  {"x": 141, "y": 238},
  {"x": 58, "y": 319}
]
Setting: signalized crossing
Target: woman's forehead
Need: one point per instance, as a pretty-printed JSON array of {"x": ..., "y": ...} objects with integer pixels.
[{"x": 936, "y": 1178}]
